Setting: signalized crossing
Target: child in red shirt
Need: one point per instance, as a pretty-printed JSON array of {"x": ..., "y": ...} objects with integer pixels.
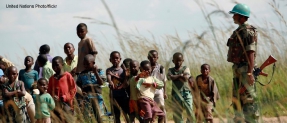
[{"x": 62, "y": 87}]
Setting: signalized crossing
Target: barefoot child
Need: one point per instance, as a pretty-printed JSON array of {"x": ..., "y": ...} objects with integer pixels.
[
  {"x": 208, "y": 93},
  {"x": 62, "y": 88},
  {"x": 85, "y": 46},
  {"x": 147, "y": 85},
  {"x": 71, "y": 61},
  {"x": 13, "y": 97},
  {"x": 46, "y": 67},
  {"x": 44, "y": 102},
  {"x": 181, "y": 94},
  {"x": 159, "y": 72},
  {"x": 115, "y": 77},
  {"x": 90, "y": 81}
]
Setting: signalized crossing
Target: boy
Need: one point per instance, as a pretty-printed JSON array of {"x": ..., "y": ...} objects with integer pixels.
[
  {"x": 147, "y": 86},
  {"x": 208, "y": 93},
  {"x": 62, "y": 88},
  {"x": 71, "y": 61},
  {"x": 180, "y": 89},
  {"x": 44, "y": 50},
  {"x": 44, "y": 102},
  {"x": 158, "y": 71},
  {"x": 134, "y": 110},
  {"x": 90, "y": 81},
  {"x": 116, "y": 76},
  {"x": 47, "y": 70},
  {"x": 85, "y": 46},
  {"x": 14, "y": 92}
]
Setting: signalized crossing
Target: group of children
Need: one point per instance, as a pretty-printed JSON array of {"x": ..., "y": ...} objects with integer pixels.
[{"x": 137, "y": 88}]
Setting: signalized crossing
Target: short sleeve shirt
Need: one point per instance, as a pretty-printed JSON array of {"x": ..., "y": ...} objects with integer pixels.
[
  {"x": 69, "y": 68},
  {"x": 28, "y": 77},
  {"x": 177, "y": 84},
  {"x": 85, "y": 47}
]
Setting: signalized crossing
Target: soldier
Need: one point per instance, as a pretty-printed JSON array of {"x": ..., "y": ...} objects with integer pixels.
[{"x": 242, "y": 49}]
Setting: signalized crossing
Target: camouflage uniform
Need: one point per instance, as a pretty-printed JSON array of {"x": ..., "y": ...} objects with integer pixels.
[{"x": 243, "y": 102}]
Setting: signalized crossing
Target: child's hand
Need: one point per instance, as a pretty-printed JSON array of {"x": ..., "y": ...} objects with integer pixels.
[
  {"x": 111, "y": 85},
  {"x": 165, "y": 96},
  {"x": 95, "y": 69},
  {"x": 56, "y": 98}
]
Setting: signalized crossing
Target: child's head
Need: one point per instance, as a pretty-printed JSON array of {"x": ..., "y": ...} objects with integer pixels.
[
  {"x": 82, "y": 30},
  {"x": 126, "y": 62},
  {"x": 134, "y": 67},
  {"x": 69, "y": 49},
  {"x": 29, "y": 61},
  {"x": 205, "y": 69},
  {"x": 42, "y": 85},
  {"x": 44, "y": 49},
  {"x": 152, "y": 56},
  {"x": 57, "y": 64},
  {"x": 145, "y": 66},
  {"x": 12, "y": 73},
  {"x": 115, "y": 58},
  {"x": 42, "y": 60},
  {"x": 177, "y": 59},
  {"x": 89, "y": 61}
]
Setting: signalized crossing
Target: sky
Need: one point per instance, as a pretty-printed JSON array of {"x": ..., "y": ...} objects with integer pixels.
[{"x": 24, "y": 30}]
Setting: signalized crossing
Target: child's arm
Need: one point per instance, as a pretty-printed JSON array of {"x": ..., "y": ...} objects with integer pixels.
[
  {"x": 109, "y": 78},
  {"x": 93, "y": 50},
  {"x": 99, "y": 79},
  {"x": 18, "y": 93},
  {"x": 51, "y": 103}
]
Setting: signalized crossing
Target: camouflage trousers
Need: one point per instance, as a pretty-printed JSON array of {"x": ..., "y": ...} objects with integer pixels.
[{"x": 245, "y": 104}]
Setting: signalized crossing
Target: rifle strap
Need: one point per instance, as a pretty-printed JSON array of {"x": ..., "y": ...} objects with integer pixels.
[{"x": 274, "y": 66}]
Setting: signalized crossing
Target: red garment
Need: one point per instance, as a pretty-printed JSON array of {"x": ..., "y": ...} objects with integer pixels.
[{"x": 65, "y": 87}]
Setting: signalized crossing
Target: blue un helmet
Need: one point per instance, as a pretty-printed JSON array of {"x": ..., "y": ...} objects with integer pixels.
[{"x": 241, "y": 9}]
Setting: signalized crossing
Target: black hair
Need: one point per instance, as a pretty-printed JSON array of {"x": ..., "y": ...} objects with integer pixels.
[
  {"x": 114, "y": 53},
  {"x": 42, "y": 58},
  {"x": 44, "y": 49},
  {"x": 201, "y": 67},
  {"x": 69, "y": 43},
  {"x": 41, "y": 79},
  {"x": 177, "y": 54},
  {"x": 80, "y": 25},
  {"x": 152, "y": 51},
  {"x": 58, "y": 58},
  {"x": 29, "y": 57},
  {"x": 10, "y": 68},
  {"x": 145, "y": 62},
  {"x": 89, "y": 57},
  {"x": 127, "y": 62}
]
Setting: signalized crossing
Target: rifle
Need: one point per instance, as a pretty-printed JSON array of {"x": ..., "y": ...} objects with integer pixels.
[{"x": 259, "y": 71}]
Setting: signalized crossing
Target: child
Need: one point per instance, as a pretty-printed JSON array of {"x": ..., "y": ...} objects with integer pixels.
[
  {"x": 13, "y": 97},
  {"x": 27, "y": 75},
  {"x": 208, "y": 93},
  {"x": 44, "y": 50},
  {"x": 71, "y": 61},
  {"x": 62, "y": 88},
  {"x": 116, "y": 76},
  {"x": 2, "y": 81},
  {"x": 85, "y": 46},
  {"x": 90, "y": 81},
  {"x": 44, "y": 102},
  {"x": 147, "y": 86},
  {"x": 181, "y": 95},
  {"x": 47, "y": 70},
  {"x": 159, "y": 72},
  {"x": 4, "y": 64}
]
